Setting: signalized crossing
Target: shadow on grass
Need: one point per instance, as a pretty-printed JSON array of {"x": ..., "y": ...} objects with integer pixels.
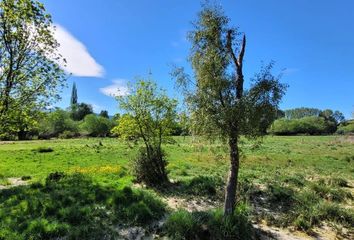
[{"x": 73, "y": 207}]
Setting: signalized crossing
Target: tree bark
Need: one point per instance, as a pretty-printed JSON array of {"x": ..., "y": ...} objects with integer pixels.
[{"x": 231, "y": 187}]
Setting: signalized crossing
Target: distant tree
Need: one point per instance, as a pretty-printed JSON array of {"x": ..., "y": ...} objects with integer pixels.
[
  {"x": 79, "y": 111},
  {"x": 29, "y": 71},
  {"x": 104, "y": 113},
  {"x": 73, "y": 100},
  {"x": 150, "y": 115},
  {"x": 218, "y": 101},
  {"x": 97, "y": 126},
  {"x": 338, "y": 117},
  {"x": 55, "y": 123},
  {"x": 298, "y": 113}
]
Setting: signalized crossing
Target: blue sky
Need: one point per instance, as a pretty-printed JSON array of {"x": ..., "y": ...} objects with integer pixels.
[{"x": 109, "y": 43}]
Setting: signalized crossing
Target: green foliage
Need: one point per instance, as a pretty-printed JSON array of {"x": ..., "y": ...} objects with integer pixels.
[
  {"x": 127, "y": 128},
  {"x": 104, "y": 113},
  {"x": 55, "y": 123},
  {"x": 150, "y": 117},
  {"x": 150, "y": 167},
  {"x": 97, "y": 126},
  {"x": 209, "y": 225},
  {"x": 306, "y": 125},
  {"x": 298, "y": 113},
  {"x": 29, "y": 76},
  {"x": 73, "y": 207},
  {"x": 79, "y": 111},
  {"x": 181, "y": 225},
  {"x": 346, "y": 128}
]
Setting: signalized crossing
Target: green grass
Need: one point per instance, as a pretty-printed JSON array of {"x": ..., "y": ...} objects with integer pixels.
[{"x": 304, "y": 180}]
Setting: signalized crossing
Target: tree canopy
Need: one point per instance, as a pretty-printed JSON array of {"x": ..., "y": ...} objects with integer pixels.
[
  {"x": 29, "y": 70},
  {"x": 216, "y": 96}
]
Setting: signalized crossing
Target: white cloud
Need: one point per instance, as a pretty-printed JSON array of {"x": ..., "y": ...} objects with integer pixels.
[
  {"x": 118, "y": 88},
  {"x": 79, "y": 61}
]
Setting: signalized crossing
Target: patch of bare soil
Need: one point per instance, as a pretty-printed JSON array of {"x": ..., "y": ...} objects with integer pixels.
[
  {"x": 14, "y": 182},
  {"x": 191, "y": 205},
  {"x": 265, "y": 232}
]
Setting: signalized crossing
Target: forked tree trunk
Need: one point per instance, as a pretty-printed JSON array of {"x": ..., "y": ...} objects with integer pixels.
[{"x": 231, "y": 187}]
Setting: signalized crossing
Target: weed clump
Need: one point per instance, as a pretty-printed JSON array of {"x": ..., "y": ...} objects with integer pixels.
[{"x": 209, "y": 225}]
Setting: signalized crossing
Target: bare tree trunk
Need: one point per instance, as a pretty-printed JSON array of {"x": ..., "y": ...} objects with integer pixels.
[{"x": 231, "y": 187}]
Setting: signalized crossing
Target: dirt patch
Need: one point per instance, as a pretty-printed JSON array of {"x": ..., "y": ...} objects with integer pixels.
[
  {"x": 14, "y": 182},
  {"x": 191, "y": 205}
]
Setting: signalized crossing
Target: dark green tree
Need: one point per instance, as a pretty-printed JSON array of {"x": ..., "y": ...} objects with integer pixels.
[
  {"x": 104, "y": 113},
  {"x": 79, "y": 111},
  {"x": 219, "y": 104},
  {"x": 73, "y": 100},
  {"x": 29, "y": 71}
]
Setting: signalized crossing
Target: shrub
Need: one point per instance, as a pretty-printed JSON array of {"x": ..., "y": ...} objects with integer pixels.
[
  {"x": 203, "y": 185},
  {"x": 150, "y": 168},
  {"x": 182, "y": 225}
]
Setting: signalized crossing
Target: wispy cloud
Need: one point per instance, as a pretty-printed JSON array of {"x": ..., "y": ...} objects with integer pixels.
[
  {"x": 117, "y": 88},
  {"x": 79, "y": 61}
]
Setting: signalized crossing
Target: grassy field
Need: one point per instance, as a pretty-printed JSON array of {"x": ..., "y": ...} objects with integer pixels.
[{"x": 303, "y": 180}]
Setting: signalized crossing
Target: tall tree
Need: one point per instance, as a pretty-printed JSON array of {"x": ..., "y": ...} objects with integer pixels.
[
  {"x": 29, "y": 70},
  {"x": 217, "y": 99},
  {"x": 73, "y": 100},
  {"x": 104, "y": 113}
]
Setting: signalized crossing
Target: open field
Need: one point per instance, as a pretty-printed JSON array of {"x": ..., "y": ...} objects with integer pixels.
[{"x": 298, "y": 182}]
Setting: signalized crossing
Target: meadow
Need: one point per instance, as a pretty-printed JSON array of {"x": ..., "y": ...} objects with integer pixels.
[{"x": 298, "y": 182}]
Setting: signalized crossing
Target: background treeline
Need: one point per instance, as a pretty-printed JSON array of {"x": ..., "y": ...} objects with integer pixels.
[
  {"x": 76, "y": 121},
  {"x": 311, "y": 121}
]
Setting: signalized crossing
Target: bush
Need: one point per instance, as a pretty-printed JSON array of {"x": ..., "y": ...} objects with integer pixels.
[
  {"x": 203, "y": 185},
  {"x": 150, "y": 168}
]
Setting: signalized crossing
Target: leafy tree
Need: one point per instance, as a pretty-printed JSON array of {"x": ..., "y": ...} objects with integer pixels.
[
  {"x": 73, "y": 99},
  {"x": 217, "y": 99},
  {"x": 150, "y": 117},
  {"x": 55, "y": 123},
  {"x": 97, "y": 126},
  {"x": 79, "y": 111},
  {"x": 29, "y": 70},
  {"x": 104, "y": 113},
  {"x": 338, "y": 117}
]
